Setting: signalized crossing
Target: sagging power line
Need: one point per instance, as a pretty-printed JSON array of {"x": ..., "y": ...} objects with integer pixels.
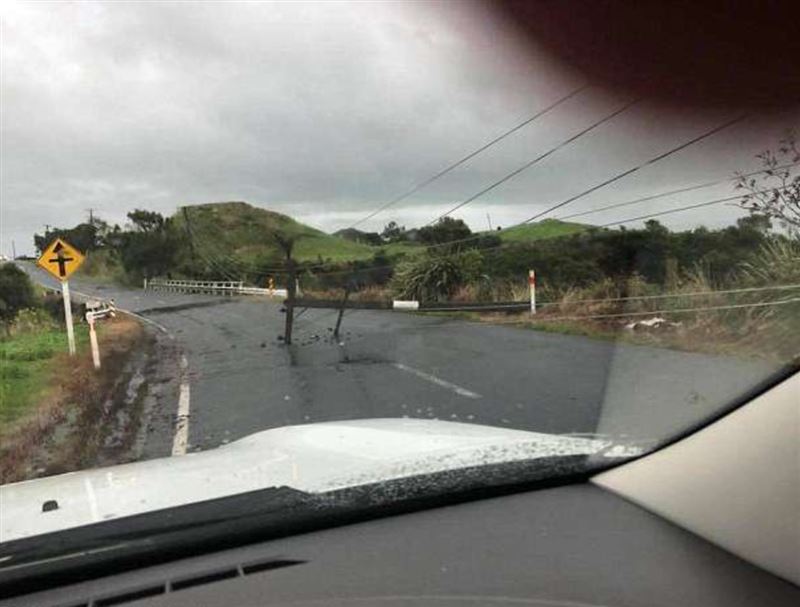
[
  {"x": 760, "y": 304},
  {"x": 638, "y": 167},
  {"x": 682, "y": 190},
  {"x": 536, "y": 160},
  {"x": 588, "y": 228},
  {"x": 469, "y": 156}
]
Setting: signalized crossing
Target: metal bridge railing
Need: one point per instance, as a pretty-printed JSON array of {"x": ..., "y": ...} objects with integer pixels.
[{"x": 224, "y": 287}]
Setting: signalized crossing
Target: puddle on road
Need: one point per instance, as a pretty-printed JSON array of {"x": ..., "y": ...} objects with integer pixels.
[{"x": 121, "y": 412}]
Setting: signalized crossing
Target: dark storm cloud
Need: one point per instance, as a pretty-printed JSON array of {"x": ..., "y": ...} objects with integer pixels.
[{"x": 320, "y": 110}]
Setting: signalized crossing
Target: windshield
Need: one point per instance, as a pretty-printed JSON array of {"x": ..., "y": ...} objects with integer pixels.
[{"x": 326, "y": 246}]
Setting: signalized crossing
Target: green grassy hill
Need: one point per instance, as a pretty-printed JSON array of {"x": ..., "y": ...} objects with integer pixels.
[
  {"x": 247, "y": 233},
  {"x": 547, "y": 228}
]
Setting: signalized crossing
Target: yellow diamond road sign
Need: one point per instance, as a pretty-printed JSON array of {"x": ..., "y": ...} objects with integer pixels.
[{"x": 61, "y": 259}]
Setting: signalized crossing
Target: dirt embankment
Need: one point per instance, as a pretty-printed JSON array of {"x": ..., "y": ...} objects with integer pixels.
[{"x": 87, "y": 417}]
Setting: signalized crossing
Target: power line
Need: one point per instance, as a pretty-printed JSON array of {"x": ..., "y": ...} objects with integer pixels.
[
  {"x": 472, "y": 238},
  {"x": 525, "y": 305},
  {"x": 469, "y": 156},
  {"x": 638, "y": 167},
  {"x": 761, "y": 304},
  {"x": 510, "y": 245},
  {"x": 225, "y": 263},
  {"x": 790, "y": 287},
  {"x": 588, "y": 227},
  {"x": 210, "y": 263},
  {"x": 585, "y": 229},
  {"x": 530, "y": 163},
  {"x": 573, "y": 198},
  {"x": 607, "y": 181},
  {"x": 671, "y": 192},
  {"x": 676, "y": 210}
]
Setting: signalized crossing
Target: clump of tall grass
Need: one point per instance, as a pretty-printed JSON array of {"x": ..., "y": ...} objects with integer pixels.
[
  {"x": 777, "y": 262},
  {"x": 31, "y": 320},
  {"x": 704, "y": 315}
]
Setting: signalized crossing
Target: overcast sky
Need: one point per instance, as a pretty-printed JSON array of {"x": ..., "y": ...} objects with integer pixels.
[{"x": 322, "y": 111}]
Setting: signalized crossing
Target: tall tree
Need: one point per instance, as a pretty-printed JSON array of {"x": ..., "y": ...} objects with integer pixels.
[
  {"x": 393, "y": 232},
  {"x": 146, "y": 221}
]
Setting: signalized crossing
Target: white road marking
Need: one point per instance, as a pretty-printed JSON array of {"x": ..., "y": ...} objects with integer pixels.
[
  {"x": 181, "y": 439},
  {"x": 437, "y": 380},
  {"x": 90, "y": 495}
]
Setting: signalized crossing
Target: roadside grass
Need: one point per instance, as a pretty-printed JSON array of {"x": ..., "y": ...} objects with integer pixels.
[
  {"x": 779, "y": 342},
  {"x": 28, "y": 363},
  {"x": 567, "y": 328},
  {"x": 57, "y": 411},
  {"x": 763, "y": 324},
  {"x": 757, "y": 332}
]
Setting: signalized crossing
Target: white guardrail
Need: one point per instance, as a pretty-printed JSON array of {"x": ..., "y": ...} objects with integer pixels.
[
  {"x": 227, "y": 287},
  {"x": 100, "y": 309}
]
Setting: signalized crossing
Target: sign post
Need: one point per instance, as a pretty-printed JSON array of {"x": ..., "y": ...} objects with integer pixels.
[
  {"x": 532, "y": 284},
  {"x": 61, "y": 259}
]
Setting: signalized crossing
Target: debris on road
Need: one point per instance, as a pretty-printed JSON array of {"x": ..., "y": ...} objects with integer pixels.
[{"x": 657, "y": 322}]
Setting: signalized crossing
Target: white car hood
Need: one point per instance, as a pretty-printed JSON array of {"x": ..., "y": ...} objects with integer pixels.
[{"x": 313, "y": 458}]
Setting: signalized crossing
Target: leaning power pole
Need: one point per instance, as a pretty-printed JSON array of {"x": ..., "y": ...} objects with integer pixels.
[{"x": 287, "y": 245}]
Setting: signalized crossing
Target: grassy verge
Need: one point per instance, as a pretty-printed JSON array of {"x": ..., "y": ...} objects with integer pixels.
[
  {"x": 56, "y": 410},
  {"x": 734, "y": 333},
  {"x": 30, "y": 362}
]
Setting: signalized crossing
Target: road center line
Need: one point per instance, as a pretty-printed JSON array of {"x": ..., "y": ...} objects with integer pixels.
[
  {"x": 437, "y": 380},
  {"x": 181, "y": 440}
]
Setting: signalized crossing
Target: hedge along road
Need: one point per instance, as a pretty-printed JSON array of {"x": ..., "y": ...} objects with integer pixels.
[{"x": 242, "y": 379}]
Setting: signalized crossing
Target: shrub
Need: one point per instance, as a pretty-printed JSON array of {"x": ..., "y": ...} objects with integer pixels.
[
  {"x": 777, "y": 262},
  {"x": 32, "y": 320},
  {"x": 16, "y": 291},
  {"x": 436, "y": 278}
]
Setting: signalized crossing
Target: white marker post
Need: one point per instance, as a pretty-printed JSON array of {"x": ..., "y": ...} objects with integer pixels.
[
  {"x": 68, "y": 317},
  {"x": 93, "y": 340},
  {"x": 532, "y": 284}
]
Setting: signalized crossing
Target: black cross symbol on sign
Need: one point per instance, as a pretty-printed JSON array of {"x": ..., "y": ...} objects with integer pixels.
[{"x": 60, "y": 259}]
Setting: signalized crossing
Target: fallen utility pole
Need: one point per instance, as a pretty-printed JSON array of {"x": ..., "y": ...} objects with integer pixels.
[
  {"x": 287, "y": 244},
  {"x": 291, "y": 290},
  {"x": 341, "y": 312}
]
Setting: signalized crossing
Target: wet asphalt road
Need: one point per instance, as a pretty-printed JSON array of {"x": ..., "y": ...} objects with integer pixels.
[{"x": 394, "y": 364}]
